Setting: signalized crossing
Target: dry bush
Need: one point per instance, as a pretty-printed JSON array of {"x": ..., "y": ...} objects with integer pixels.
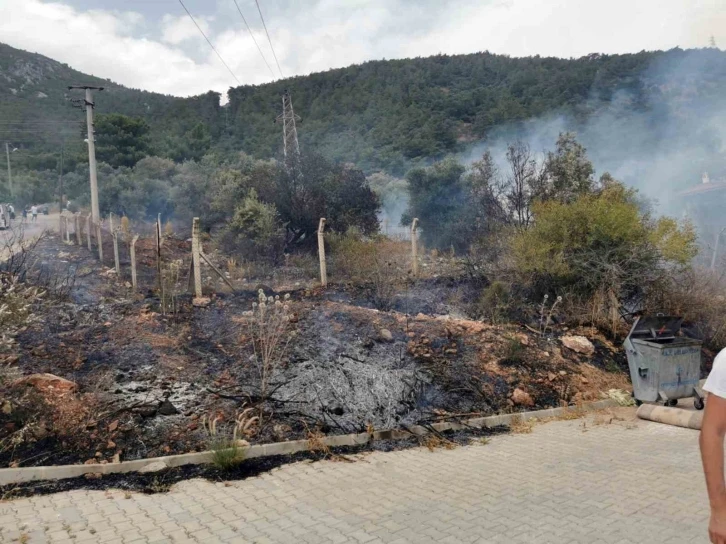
[
  {"x": 381, "y": 264},
  {"x": 16, "y": 307},
  {"x": 699, "y": 295},
  {"x": 268, "y": 325},
  {"x": 170, "y": 287},
  {"x": 227, "y": 447}
]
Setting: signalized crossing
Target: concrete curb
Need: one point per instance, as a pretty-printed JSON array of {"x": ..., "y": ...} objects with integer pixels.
[{"x": 60, "y": 472}]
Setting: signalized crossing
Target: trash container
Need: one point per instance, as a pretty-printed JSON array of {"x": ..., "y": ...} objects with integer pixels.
[{"x": 663, "y": 366}]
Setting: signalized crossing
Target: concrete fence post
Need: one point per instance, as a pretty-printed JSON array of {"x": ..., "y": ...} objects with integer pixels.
[
  {"x": 159, "y": 283},
  {"x": 132, "y": 251},
  {"x": 196, "y": 257},
  {"x": 414, "y": 247},
  {"x": 114, "y": 233},
  {"x": 77, "y": 219},
  {"x": 110, "y": 221},
  {"x": 321, "y": 253},
  {"x": 99, "y": 241},
  {"x": 88, "y": 231},
  {"x": 68, "y": 230}
]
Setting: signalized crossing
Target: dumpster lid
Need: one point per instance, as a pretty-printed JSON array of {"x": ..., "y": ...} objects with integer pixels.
[{"x": 656, "y": 326}]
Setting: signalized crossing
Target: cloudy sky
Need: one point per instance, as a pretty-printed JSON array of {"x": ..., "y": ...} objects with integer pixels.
[{"x": 153, "y": 44}]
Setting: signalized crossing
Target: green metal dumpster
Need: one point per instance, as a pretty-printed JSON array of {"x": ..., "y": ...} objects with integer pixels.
[{"x": 664, "y": 367}]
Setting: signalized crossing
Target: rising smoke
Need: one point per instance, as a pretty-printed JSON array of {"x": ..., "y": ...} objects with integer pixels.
[{"x": 659, "y": 135}]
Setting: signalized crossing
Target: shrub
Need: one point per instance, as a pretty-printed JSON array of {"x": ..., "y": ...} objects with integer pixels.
[
  {"x": 379, "y": 263},
  {"x": 600, "y": 250},
  {"x": 255, "y": 230},
  {"x": 495, "y": 302}
]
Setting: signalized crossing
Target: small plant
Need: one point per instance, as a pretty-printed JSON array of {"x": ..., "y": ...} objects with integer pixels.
[
  {"x": 227, "y": 452},
  {"x": 520, "y": 426},
  {"x": 269, "y": 328},
  {"x": 126, "y": 228},
  {"x": 546, "y": 321},
  {"x": 169, "y": 281},
  {"x": 168, "y": 228},
  {"x": 513, "y": 351},
  {"x": 495, "y": 302}
]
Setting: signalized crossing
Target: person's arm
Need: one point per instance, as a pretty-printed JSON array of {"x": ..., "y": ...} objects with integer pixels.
[{"x": 711, "y": 441}]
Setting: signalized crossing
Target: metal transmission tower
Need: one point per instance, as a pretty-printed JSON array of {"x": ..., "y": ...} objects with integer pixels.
[{"x": 289, "y": 131}]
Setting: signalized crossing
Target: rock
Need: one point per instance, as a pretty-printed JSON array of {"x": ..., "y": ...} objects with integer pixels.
[
  {"x": 281, "y": 431},
  {"x": 201, "y": 302},
  {"x": 48, "y": 384},
  {"x": 7, "y": 408},
  {"x": 522, "y": 398},
  {"x": 146, "y": 411},
  {"x": 110, "y": 445},
  {"x": 563, "y": 373},
  {"x": 551, "y": 376},
  {"x": 578, "y": 344},
  {"x": 420, "y": 317},
  {"x": 167, "y": 409},
  {"x": 113, "y": 426},
  {"x": 156, "y": 466},
  {"x": 384, "y": 335},
  {"x": 584, "y": 380},
  {"x": 242, "y": 443},
  {"x": 93, "y": 476}
]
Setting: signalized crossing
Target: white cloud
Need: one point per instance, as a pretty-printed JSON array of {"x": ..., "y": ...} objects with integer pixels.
[
  {"x": 170, "y": 56},
  {"x": 175, "y": 30}
]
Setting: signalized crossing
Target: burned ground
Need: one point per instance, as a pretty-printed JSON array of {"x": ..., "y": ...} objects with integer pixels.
[{"x": 147, "y": 382}]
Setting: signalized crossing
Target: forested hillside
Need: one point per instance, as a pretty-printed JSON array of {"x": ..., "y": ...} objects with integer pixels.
[{"x": 386, "y": 115}]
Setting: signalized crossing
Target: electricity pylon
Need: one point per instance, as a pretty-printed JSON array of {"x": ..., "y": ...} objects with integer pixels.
[{"x": 288, "y": 118}]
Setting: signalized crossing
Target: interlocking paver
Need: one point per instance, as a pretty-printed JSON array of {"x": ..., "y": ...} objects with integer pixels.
[{"x": 564, "y": 483}]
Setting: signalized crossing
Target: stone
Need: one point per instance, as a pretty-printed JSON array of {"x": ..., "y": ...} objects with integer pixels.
[
  {"x": 166, "y": 408},
  {"x": 578, "y": 344},
  {"x": 201, "y": 302},
  {"x": 551, "y": 376},
  {"x": 156, "y": 466},
  {"x": 48, "y": 384},
  {"x": 146, "y": 411},
  {"x": 522, "y": 398},
  {"x": 113, "y": 426},
  {"x": 384, "y": 335}
]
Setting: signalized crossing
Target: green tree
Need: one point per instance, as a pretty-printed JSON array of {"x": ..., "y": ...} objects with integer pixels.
[
  {"x": 121, "y": 140},
  {"x": 568, "y": 171}
]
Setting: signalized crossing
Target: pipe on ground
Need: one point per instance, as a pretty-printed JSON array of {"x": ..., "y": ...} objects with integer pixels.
[{"x": 690, "y": 419}]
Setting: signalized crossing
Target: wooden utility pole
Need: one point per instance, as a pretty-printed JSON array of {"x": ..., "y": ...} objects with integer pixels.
[
  {"x": 321, "y": 253},
  {"x": 414, "y": 248},
  {"x": 89, "y": 104}
]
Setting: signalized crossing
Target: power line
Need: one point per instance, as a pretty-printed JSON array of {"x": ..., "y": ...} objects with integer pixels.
[
  {"x": 268, "y": 37},
  {"x": 255, "y": 40},
  {"x": 210, "y": 43}
]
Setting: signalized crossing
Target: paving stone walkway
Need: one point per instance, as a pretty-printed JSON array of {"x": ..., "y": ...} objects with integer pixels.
[{"x": 578, "y": 481}]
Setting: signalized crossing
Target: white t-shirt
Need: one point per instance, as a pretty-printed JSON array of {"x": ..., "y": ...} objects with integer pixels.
[
  {"x": 34, "y": 210},
  {"x": 716, "y": 381}
]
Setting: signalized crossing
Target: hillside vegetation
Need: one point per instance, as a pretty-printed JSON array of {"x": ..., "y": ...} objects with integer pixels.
[{"x": 382, "y": 115}]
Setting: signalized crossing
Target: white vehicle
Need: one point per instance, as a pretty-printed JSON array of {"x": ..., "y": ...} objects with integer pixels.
[{"x": 4, "y": 216}]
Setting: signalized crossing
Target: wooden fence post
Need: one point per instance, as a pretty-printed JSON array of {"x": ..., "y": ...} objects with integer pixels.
[
  {"x": 110, "y": 221},
  {"x": 77, "y": 219},
  {"x": 321, "y": 253},
  {"x": 132, "y": 250},
  {"x": 88, "y": 231},
  {"x": 196, "y": 256},
  {"x": 115, "y": 253},
  {"x": 414, "y": 248},
  {"x": 99, "y": 241}
]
